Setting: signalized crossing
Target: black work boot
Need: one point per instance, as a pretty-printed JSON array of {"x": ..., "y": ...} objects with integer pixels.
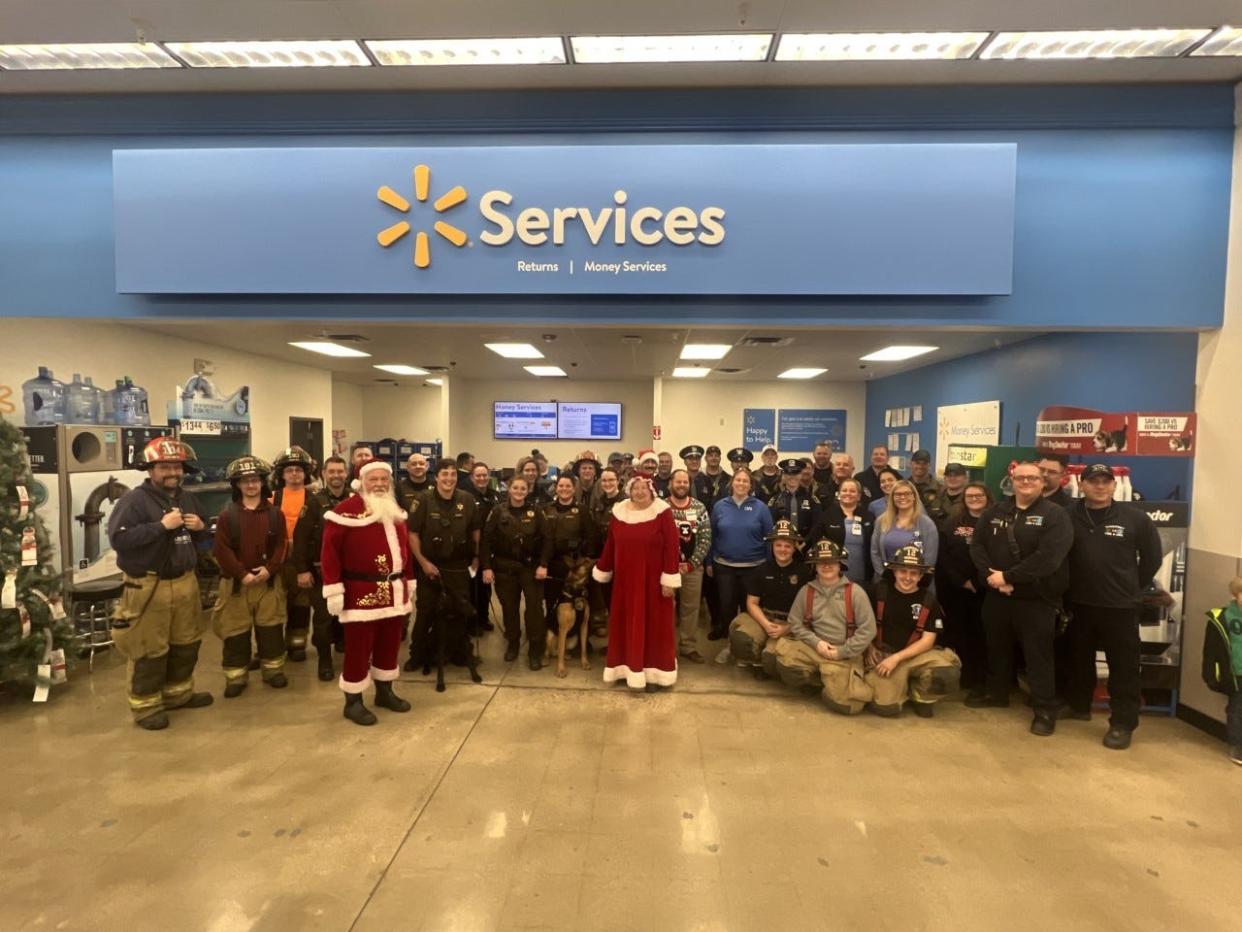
[
  {"x": 1117, "y": 738},
  {"x": 235, "y": 689},
  {"x": 197, "y": 701},
  {"x": 385, "y": 698},
  {"x": 356, "y": 712},
  {"x": 277, "y": 681},
  {"x": 154, "y": 722},
  {"x": 1043, "y": 724},
  {"x": 326, "y": 673},
  {"x": 297, "y": 654}
]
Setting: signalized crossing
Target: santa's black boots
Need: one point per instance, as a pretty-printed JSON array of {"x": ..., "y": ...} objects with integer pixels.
[
  {"x": 356, "y": 712},
  {"x": 385, "y": 698}
]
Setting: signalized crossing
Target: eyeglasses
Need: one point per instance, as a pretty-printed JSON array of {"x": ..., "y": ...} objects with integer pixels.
[
  {"x": 903, "y": 495},
  {"x": 1027, "y": 479},
  {"x": 974, "y": 495}
]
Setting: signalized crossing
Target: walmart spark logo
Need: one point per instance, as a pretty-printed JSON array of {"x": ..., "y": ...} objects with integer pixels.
[{"x": 422, "y": 242}]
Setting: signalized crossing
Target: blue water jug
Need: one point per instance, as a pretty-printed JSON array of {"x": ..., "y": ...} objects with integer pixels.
[
  {"x": 121, "y": 404},
  {"x": 45, "y": 399},
  {"x": 80, "y": 402},
  {"x": 142, "y": 406},
  {"x": 97, "y": 400}
]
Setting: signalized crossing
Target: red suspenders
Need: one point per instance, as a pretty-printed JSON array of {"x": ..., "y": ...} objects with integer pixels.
[
  {"x": 924, "y": 614},
  {"x": 849, "y": 608}
]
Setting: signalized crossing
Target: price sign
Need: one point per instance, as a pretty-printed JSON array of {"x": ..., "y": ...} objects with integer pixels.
[{"x": 201, "y": 428}]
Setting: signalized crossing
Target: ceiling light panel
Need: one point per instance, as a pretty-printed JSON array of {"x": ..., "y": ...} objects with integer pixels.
[
  {"x": 313, "y": 53},
  {"x": 330, "y": 349},
  {"x": 514, "y": 350},
  {"x": 805, "y": 372},
  {"x": 898, "y": 353},
  {"x": 85, "y": 55},
  {"x": 603, "y": 50},
  {"x": 546, "y": 371},
  {"x": 705, "y": 350},
  {"x": 397, "y": 369},
  {"x": 1093, "y": 43},
  {"x": 435, "y": 382},
  {"x": 1227, "y": 40},
  {"x": 543, "y": 50},
  {"x": 878, "y": 46},
  {"x": 690, "y": 372}
]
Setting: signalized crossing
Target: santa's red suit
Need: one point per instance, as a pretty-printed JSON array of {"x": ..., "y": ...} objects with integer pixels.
[
  {"x": 367, "y": 583},
  {"x": 641, "y": 555}
]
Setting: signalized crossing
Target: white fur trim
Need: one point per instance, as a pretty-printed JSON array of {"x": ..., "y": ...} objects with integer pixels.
[
  {"x": 354, "y": 688},
  {"x": 385, "y": 676},
  {"x": 355, "y": 484},
  {"x": 623, "y": 513},
  {"x": 370, "y": 465},
  {"x": 401, "y": 609},
  {"x": 672, "y": 580},
  {"x": 638, "y": 679},
  {"x": 355, "y": 520},
  {"x": 599, "y": 575},
  {"x": 394, "y": 546},
  {"x": 336, "y": 588}
]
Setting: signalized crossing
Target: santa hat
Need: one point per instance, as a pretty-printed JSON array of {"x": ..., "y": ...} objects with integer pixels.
[
  {"x": 646, "y": 455},
  {"x": 371, "y": 466}
]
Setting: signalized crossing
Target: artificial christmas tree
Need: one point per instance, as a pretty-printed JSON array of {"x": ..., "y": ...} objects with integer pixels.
[{"x": 34, "y": 632}]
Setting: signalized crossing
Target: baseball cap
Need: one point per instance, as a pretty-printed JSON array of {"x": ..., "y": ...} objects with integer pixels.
[
  {"x": 921, "y": 456},
  {"x": 955, "y": 469},
  {"x": 1095, "y": 470}
]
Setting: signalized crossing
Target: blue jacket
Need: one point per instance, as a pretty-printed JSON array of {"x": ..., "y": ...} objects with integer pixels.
[
  {"x": 928, "y": 540},
  {"x": 738, "y": 531}
]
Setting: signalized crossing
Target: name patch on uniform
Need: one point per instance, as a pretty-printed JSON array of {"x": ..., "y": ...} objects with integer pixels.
[
  {"x": 1034, "y": 520},
  {"x": 1114, "y": 530}
]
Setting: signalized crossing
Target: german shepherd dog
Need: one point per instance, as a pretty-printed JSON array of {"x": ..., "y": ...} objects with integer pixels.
[
  {"x": 446, "y": 638},
  {"x": 573, "y": 611}
]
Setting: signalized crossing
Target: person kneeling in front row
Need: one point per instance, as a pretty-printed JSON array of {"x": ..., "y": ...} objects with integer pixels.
[
  {"x": 770, "y": 593},
  {"x": 830, "y": 627},
  {"x": 904, "y": 662}
]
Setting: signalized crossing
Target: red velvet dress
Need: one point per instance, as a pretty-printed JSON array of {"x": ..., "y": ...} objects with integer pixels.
[{"x": 641, "y": 554}]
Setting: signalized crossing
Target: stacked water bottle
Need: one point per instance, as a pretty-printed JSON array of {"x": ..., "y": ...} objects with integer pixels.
[{"x": 50, "y": 401}]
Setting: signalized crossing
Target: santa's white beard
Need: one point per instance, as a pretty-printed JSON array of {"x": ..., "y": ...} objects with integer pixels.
[{"x": 383, "y": 505}]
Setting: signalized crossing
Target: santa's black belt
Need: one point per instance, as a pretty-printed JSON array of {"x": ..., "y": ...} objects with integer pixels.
[{"x": 367, "y": 577}]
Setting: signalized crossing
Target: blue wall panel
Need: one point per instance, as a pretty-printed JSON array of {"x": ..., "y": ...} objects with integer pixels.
[{"x": 1105, "y": 371}]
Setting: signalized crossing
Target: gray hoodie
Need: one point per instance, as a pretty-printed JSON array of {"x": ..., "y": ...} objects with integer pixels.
[{"x": 827, "y": 621}]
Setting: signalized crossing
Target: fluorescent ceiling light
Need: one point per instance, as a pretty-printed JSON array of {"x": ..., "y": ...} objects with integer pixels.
[
  {"x": 705, "y": 350},
  {"x": 690, "y": 372},
  {"x": 897, "y": 353},
  {"x": 401, "y": 370},
  {"x": 514, "y": 350},
  {"x": 597, "y": 50},
  {"x": 1093, "y": 43},
  {"x": 546, "y": 371},
  {"x": 1227, "y": 40},
  {"x": 329, "y": 349},
  {"x": 803, "y": 372},
  {"x": 543, "y": 50},
  {"x": 315, "y": 53},
  {"x": 84, "y": 55},
  {"x": 436, "y": 382},
  {"x": 878, "y": 46}
]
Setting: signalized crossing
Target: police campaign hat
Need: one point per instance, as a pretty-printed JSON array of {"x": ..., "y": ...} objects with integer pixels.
[
  {"x": 909, "y": 556},
  {"x": 784, "y": 529},
  {"x": 692, "y": 450},
  {"x": 245, "y": 466},
  {"x": 827, "y": 551},
  {"x": 740, "y": 455},
  {"x": 1096, "y": 470},
  {"x": 792, "y": 465}
]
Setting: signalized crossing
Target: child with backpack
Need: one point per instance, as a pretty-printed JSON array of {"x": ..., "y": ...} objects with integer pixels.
[{"x": 1222, "y": 663}]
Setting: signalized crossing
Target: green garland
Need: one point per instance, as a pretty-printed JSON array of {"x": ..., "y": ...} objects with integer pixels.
[{"x": 20, "y": 656}]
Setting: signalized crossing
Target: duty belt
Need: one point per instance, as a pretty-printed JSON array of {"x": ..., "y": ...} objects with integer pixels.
[{"x": 368, "y": 577}]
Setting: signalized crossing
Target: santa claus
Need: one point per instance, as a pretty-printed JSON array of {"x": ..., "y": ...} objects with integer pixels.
[{"x": 367, "y": 573}]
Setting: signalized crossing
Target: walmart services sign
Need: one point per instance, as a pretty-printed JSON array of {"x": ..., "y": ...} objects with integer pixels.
[{"x": 922, "y": 219}]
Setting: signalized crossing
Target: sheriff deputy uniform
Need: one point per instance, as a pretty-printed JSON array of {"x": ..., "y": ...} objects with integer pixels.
[{"x": 159, "y": 622}]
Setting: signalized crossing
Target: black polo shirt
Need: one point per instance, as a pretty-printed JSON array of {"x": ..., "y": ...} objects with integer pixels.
[{"x": 775, "y": 586}]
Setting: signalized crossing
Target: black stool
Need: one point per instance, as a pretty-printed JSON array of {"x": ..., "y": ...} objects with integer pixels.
[{"x": 91, "y": 606}]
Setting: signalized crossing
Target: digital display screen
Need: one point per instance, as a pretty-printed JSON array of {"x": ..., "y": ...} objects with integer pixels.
[
  {"x": 524, "y": 420},
  {"x": 588, "y": 420}
]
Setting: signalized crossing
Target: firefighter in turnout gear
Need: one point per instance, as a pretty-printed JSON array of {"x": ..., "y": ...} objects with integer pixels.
[
  {"x": 159, "y": 622},
  {"x": 250, "y": 548},
  {"x": 293, "y": 470}
]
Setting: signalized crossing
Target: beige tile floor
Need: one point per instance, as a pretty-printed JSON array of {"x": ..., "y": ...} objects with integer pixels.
[{"x": 529, "y": 802}]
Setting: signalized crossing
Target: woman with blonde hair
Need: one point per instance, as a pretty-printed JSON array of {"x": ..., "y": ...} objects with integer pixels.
[{"x": 903, "y": 523}]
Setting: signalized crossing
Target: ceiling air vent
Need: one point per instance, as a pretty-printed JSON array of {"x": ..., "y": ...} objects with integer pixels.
[
  {"x": 631, "y": 339},
  {"x": 730, "y": 370},
  {"x": 431, "y": 368},
  {"x": 345, "y": 337},
  {"x": 765, "y": 341}
]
